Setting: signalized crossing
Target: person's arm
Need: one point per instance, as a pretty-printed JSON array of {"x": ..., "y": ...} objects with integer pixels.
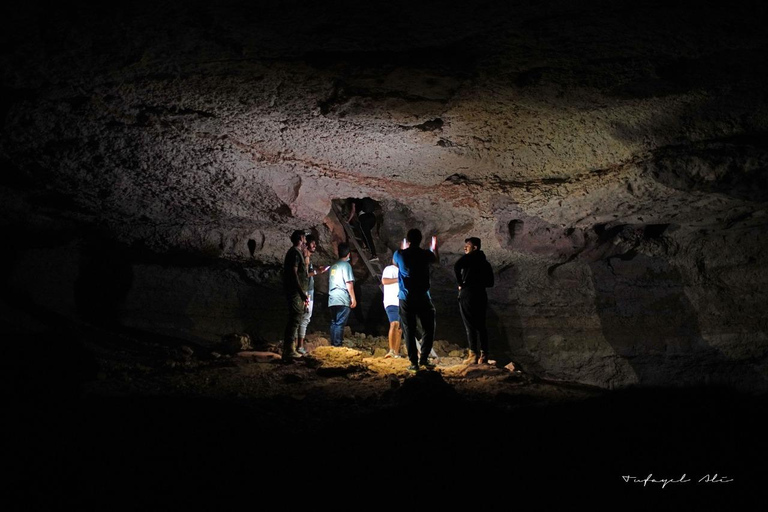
[
  {"x": 304, "y": 296},
  {"x": 351, "y": 290},
  {"x": 306, "y": 254},
  {"x": 386, "y": 277},
  {"x": 317, "y": 271},
  {"x": 433, "y": 248},
  {"x": 352, "y": 213},
  {"x": 457, "y": 270}
]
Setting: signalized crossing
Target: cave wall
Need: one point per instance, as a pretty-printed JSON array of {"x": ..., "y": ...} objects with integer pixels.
[{"x": 611, "y": 155}]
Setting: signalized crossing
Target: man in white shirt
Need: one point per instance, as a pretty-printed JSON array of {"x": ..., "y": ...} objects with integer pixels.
[{"x": 389, "y": 278}]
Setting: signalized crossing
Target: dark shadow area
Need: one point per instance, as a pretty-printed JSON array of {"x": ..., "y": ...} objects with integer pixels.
[
  {"x": 504, "y": 324},
  {"x": 499, "y": 342},
  {"x": 375, "y": 316},
  {"x": 640, "y": 299},
  {"x": 422, "y": 443},
  {"x": 105, "y": 277},
  {"x": 649, "y": 321}
]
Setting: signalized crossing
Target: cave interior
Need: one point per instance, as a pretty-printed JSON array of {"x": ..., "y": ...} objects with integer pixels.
[{"x": 612, "y": 157}]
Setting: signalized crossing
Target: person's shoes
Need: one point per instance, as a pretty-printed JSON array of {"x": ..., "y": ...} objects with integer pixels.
[
  {"x": 389, "y": 355},
  {"x": 428, "y": 365},
  {"x": 483, "y": 359},
  {"x": 471, "y": 358},
  {"x": 413, "y": 368},
  {"x": 374, "y": 258},
  {"x": 302, "y": 351},
  {"x": 289, "y": 351}
]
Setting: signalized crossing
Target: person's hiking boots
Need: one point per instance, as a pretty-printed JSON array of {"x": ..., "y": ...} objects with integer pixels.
[
  {"x": 289, "y": 352},
  {"x": 471, "y": 358}
]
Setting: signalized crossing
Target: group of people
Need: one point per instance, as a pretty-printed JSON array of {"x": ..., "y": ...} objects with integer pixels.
[
  {"x": 407, "y": 298},
  {"x": 299, "y": 286}
]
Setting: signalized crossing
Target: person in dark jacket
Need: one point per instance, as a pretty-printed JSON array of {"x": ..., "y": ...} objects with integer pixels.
[{"x": 474, "y": 274}]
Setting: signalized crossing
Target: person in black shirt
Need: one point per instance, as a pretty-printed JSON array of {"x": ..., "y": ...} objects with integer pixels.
[
  {"x": 474, "y": 274},
  {"x": 295, "y": 286}
]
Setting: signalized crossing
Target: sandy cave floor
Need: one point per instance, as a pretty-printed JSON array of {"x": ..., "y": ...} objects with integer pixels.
[{"x": 357, "y": 371}]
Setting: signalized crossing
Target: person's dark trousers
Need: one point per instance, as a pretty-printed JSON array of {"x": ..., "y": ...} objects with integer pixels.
[
  {"x": 422, "y": 309},
  {"x": 295, "y": 312},
  {"x": 339, "y": 316},
  {"x": 367, "y": 223},
  {"x": 472, "y": 305}
]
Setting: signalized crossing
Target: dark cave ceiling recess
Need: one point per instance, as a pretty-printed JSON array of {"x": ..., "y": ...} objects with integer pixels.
[{"x": 611, "y": 155}]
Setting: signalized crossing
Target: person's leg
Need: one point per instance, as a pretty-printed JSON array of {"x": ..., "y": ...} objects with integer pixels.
[
  {"x": 295, "y": 310},
  {"x": 391, "y": 339},
  {"x": 393, "y": 315},
  {"x": 303, "y": 324},
  {"x": 427, "y": 316},
  {"x": 408, "y": 322},
  {"x": 398, "y": 338},
  {"x": 481, "y": 305},
  {"x": 342, "y": 320},
  {"x": 336, "y": 331},
  {"x": 465, "y": 308}
]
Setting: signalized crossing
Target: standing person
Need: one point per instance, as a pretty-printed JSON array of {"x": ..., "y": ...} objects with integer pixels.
[
  {"x": 366, "y": 216},
  {"x": 311, "y": 247},
  {"x": 415, "y": 301},
  {"x": 295, "y": 284},
  {"x": 341, "y": 294},
  {"x": 389, "y": 278},
  {"x": 474, "y": 274}
]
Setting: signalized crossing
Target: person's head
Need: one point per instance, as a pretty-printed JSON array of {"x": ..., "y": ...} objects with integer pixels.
[
  {"x": 297, "y": 237},
  {"x": 343, "y": 251},
  {"x": 471, "y": 244},
  {"x": 311, "y": 243},
  {"x": 414, "y": 237}
]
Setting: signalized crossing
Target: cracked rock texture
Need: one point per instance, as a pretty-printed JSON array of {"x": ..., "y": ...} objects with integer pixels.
[{"x": 611, "y": 155}]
